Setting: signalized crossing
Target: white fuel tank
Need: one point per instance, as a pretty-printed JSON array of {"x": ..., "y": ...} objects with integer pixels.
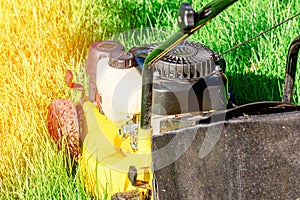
[{"x": 119, "y": 83}]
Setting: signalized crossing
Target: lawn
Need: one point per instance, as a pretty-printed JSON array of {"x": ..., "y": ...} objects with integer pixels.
[{"x": 41, "y": 39}]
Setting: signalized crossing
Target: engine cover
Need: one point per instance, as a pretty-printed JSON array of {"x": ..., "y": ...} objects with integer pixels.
[{"x": 187, "y": 79}]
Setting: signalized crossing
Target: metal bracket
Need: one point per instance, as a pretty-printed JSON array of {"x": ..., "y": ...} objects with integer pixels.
[{"x": 186, "y": 17}]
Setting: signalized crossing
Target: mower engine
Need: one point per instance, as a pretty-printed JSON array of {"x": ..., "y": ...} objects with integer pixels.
[{"x": 188, "y": 79}]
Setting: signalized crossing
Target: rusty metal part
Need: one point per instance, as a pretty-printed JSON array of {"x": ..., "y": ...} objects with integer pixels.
[{"x": 75, "y": 86}]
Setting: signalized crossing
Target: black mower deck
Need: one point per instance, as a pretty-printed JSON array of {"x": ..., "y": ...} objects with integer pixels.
[{"x": 251, "y": 157}]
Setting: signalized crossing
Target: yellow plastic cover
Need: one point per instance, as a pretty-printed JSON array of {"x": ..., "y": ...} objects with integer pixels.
[{"x": 106, "y": 157}]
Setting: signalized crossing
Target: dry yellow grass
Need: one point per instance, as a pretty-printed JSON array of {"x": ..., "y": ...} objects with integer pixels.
[
  {"x": 37, "y": 45},
  {"x": 40, "y": 40}
]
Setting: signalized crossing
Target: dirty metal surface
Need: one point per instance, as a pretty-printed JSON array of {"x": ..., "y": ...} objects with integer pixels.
[{"x": 255, "y": 157}]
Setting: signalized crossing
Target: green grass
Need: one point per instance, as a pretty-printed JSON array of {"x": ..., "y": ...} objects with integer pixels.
[
  {"x": 42, "y": 39},
  {"x": 255, "y": 70}
]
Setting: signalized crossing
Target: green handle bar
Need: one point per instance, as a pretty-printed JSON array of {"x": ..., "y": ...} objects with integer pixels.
[{"x": 202, "y": 17}]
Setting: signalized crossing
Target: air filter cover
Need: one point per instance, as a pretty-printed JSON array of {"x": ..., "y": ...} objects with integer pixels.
[{"x": 187, "y": 61}]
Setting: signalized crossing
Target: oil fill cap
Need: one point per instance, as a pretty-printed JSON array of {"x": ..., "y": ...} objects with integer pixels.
[{"x": 122, "y": 60}]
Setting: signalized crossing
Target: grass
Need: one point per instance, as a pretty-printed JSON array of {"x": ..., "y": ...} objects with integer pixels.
[{"x": 41, "y": 39}]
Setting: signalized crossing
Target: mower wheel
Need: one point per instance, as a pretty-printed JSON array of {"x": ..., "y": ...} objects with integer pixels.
[{"x": 63, "y": 126}]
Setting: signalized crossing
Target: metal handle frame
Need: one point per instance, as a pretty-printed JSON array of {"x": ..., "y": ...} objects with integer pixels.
[{"x": 290, "y": 73}]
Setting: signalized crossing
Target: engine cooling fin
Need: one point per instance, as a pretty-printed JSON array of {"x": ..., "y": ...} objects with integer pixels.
[{"x": 187, "y": 61}]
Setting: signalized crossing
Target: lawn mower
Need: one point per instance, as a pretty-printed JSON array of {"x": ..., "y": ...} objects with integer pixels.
[{"x": 158, "y": 123}]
